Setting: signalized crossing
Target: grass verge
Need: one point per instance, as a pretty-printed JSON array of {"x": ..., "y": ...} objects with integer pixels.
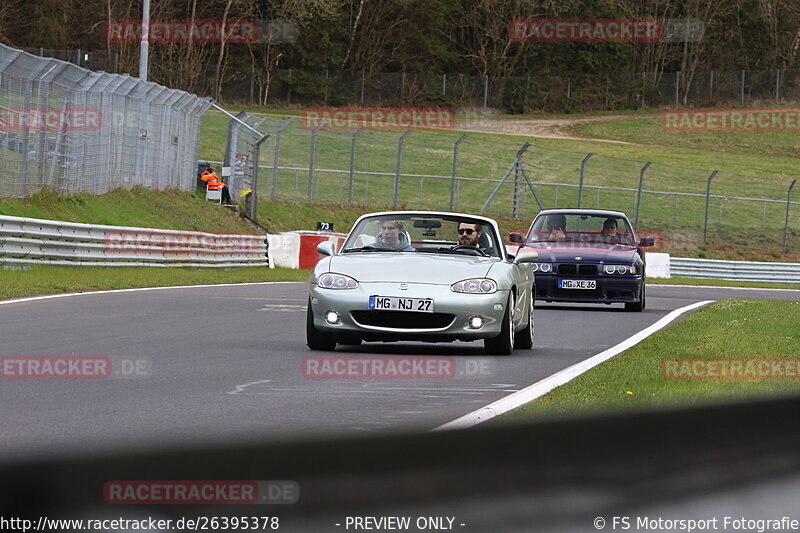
[
  {"x": 737, "y": 328},
  {"x": 44, "y": 279},
  {"x": 137, "y": 207}
]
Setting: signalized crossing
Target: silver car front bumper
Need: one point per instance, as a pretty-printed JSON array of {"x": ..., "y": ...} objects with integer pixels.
[{"x": 355, "y": 317}]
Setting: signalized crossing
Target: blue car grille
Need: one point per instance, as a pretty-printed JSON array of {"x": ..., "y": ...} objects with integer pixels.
[{"x": 571, "y": 269}]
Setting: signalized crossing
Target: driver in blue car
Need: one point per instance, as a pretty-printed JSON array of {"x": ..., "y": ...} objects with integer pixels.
[
  {"x": 472, "y": 235},
  {"x": 392, "y": 236}
]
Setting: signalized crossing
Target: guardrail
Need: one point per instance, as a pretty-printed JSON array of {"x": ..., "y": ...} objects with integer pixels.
[
  {"x": 36, "y": 241},
  {"x": 735, "y": 270}
]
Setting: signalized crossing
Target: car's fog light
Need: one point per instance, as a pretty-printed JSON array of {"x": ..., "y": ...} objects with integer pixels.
[
  {"x": 332, "y": 317},
  {"x": 475, "y": 322}
]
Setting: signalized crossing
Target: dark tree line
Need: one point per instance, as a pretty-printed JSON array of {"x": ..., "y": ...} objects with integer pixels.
[{"x": 420, "y": 36}]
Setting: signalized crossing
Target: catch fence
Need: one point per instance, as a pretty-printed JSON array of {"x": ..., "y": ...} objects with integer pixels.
[
  {"x": 473, "y": 173},
  {"x": 68, "y": 129}
]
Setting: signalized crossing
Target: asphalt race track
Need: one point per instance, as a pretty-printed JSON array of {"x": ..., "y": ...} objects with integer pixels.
[{"x": 225, "y": 365}]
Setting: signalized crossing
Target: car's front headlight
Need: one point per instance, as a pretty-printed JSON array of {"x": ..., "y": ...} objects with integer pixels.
[
  {"x": 336, "y": 281},
  {"x": 475, "y": 286},
  {"x": 619, "y": 269},
  {"x": 541, "y": 267}
]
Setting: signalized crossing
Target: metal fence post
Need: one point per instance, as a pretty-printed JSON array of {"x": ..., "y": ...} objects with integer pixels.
[
  {"x": 311, "y": 161},
  {"x": 777, "y": 84},
  {"x": 455, "y": 167},
  {"x": 353, "y": 162},
  {"x": 253, "y": 195},
  {"x": 580, "y": 183},
  {"x": 399, "y": 161},
  {"x": 639, "y": 194},
  {"x": 708, "y": 198},
  {"x": 677, "y": 87},
  {"x": 513, "y": 168},
  {"x": 276, "y": 160},
  {"x": 788, "y": 206},
  {"x": 485, "y": 91}
]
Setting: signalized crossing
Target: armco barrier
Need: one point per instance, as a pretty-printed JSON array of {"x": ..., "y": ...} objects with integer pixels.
[
  {"x": 36, "y": 241},
  {"x": 735, "y": 270}
]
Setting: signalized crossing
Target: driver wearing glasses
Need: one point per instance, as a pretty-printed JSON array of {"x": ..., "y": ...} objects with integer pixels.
[{"x": 470, "y": 234}]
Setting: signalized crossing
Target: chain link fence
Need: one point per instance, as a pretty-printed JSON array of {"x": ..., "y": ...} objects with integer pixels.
[
  {"x": 68, "y": 129},
  {"x": 472, "y": 173}
]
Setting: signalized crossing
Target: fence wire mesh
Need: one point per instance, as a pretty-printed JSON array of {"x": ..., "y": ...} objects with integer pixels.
[
  {"x": 69, "y": 129},
  {"x": 473, "y": 173}
]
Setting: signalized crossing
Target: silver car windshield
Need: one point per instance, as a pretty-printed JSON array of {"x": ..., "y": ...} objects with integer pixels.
[{"x": 423, "y": 233}]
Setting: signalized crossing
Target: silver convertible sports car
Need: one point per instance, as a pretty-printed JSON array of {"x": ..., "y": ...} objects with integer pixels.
[{"x": 424, "y": 276}]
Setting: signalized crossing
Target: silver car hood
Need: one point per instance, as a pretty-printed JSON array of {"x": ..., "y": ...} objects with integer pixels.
[{"x": 411, "y": 267}]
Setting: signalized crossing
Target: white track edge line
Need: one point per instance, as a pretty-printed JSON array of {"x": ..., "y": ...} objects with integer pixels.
[
  {"x": 112, "y": 291},
  {"x": 542, "y": 387}
]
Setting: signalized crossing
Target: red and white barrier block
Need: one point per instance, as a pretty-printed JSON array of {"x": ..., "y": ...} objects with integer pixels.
[{"x": 298, "y": 249}]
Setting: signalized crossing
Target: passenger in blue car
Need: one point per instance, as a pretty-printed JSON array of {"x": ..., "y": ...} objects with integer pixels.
[{"x": 557, "y": 226}]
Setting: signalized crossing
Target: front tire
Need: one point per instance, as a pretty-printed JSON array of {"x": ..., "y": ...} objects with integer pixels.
[
  {"x": 503, "y": 344},
  {"x": 640, "y": 305},
  {"x": 316, "y": 339},
  {"x": 523, "y": 339}
]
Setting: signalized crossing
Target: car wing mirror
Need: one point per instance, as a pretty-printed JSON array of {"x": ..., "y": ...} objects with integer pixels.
[
  {"x": 326, "y": 248},
  {"x": 646, "y": 242},
  {"x": 515, "y": 237},
  {"x": 526, "y": 257}
]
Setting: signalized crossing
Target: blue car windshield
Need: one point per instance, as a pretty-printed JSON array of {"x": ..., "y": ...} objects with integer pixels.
[
  {"x": 422, "y": 233},
  {"x": 581, "y": 229}
]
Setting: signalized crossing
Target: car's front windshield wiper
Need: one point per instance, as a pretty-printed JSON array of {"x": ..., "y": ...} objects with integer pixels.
[{"x": 369, "y": 249}]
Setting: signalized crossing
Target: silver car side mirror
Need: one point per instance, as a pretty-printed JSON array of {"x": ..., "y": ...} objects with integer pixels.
[
  {"x": 526, "y": 257},
  {"x": 326, "y": 248}
]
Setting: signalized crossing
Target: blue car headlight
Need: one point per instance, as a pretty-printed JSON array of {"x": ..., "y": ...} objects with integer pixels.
[
  {"x": 619, "y": 269},
  {"x": 475, "y": 286},
  {"x": 541, "y": 267},
  {"x": 331, "y": 280}
]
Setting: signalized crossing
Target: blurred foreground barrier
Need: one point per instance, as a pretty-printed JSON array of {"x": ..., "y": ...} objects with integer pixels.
[{"x": 35, "y": 241}]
